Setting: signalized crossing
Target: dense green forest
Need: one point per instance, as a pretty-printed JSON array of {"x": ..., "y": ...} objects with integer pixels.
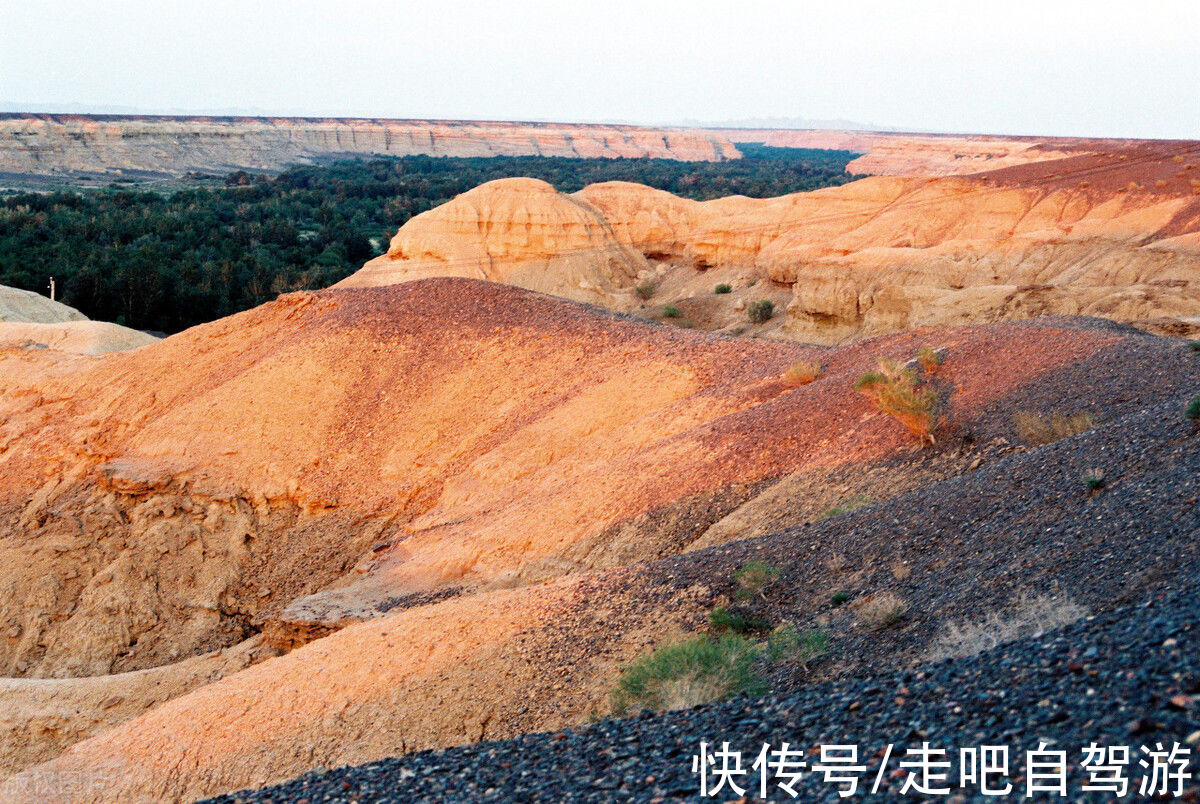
[{"x": 165, "y": 262}]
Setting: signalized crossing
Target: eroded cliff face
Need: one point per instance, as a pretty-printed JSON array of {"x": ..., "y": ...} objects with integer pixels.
[
  {"x": 47, "y": 144},
  {"x": 518, "y": 231},
  {"x": 1114, "y": 234}
]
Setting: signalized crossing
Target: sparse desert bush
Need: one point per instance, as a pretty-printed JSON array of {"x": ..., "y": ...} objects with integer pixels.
[
  {"x": 882, "y": 610},
  {"x": 857, "y": 501},
  {"x": 930, "y": 359},
  {"x": 1093, "y": 479},
  {"x": 1193, "y": 408},
  {"x": 739, "y": 622},
  {"x": 1036, "y": 430},
  {"x": 755, "y": 577},
  {"x": 760, "y": 311},
  {"x": 671, "y": 311},
  {"x": 788, "y": 643},
  {"x": 895, "y": 391},
  {"x": 802, "y": 373},
  {"x": 688, "y": 673},
  {"x": 646, "y": 288},
  {"x": 724, "y": 287},
  {"x": 839, "y": 599},
  {"x": 1029, "y": 616},
  {"x": 1195, "y": 345}
]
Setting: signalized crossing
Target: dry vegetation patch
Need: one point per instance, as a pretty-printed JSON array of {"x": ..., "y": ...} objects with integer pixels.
[
  {"x": 1029, "y": 616},
  {"x": 845, "y": 507},
  {"x": 930, "y": 359},
  {"x": 645, "y": 289},
  {"x": 1036, "y": 430},
  {"x": 896, "y": 391},
  {"x": 802, "y": 373},
  {"x": 760, "y": 311},
  {"x": 882, "y": 610}
]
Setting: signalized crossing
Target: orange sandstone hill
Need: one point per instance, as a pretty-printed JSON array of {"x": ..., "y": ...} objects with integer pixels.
[
  {"x": 63, "y": 144},
  {"x": 1113, "y": 234},
  {"x": 428, "y": 497}
]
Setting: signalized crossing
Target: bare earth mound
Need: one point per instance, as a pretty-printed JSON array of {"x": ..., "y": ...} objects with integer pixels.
[
  {"x": 78, "y": 337},
  {"x": 25, "y": 306},
  {"x": 31, "y": 322}
]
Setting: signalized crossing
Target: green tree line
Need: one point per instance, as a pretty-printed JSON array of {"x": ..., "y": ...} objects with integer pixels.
[{"x": 165, "y": 261}]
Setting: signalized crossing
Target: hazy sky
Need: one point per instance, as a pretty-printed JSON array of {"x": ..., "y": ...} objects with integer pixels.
[{"x": 1091, "y": 68}]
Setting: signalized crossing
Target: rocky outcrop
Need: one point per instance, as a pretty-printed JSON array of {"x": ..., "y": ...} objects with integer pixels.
[
  {"x": 1115, "y": 235},
  {"x": 50, "y": 144}
]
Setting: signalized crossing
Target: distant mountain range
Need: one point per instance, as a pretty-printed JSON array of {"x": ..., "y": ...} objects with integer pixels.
[
  {"x": 748, "y": 122},
  {"x": 788, "y": 123}
]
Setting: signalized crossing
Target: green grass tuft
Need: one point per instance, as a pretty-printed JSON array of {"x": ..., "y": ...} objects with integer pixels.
[
  {"x": 683, "y": 674},
  {"x": 788, "y": 643},
  {"x": 755, "y": 577},
  {"x": 725, "y": 620},
  {"x": 857, "y": 501},
  {"x": 724, "y": 287}
]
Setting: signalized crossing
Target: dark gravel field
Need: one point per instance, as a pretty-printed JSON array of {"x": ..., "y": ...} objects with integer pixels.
[
  {"x": 1022, "y": 521},
  {"x": 1127, "y": 678}
]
